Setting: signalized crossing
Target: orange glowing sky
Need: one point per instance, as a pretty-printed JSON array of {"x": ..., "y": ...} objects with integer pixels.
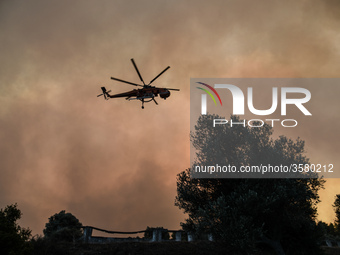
[{"x": 110, "y": 163}]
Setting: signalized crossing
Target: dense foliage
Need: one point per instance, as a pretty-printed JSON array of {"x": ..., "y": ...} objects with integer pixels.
[
  {"x": 336, "y": 206},
  {"x": 63, "y": 226},
  {"x": 242, "y": 213},
  {"x": 13, "y": 238}
]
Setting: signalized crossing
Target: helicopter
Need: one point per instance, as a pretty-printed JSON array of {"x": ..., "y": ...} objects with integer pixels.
[{"x": 146, "y": 94}]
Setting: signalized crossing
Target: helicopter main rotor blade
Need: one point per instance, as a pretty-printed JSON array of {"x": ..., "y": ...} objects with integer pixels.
[
  {"x": 134, "y": 64},
  {"x": 159, "y": 75},
  {"x": 172, "y": 89},
  {"x": 131, "y": 83}
]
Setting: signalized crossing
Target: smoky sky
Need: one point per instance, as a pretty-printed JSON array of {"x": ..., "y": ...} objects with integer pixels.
[{"x": 110, "y": 163}]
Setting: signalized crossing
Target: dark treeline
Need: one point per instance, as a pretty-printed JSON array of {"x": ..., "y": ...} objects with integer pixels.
[
  {"x": 243, "y": 216},
  {"x": 63, "y": 235}
]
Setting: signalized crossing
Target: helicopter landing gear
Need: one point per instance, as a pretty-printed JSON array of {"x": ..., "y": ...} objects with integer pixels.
[{"x": 143, "y": 101}]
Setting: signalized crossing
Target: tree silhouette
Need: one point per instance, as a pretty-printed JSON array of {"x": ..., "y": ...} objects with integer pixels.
[
  {"x": 243, "y": 212},
  {"x": 336, "y": 206},
  {"x": 13, "y": 238},
  {"x": 63, "y": 226}
]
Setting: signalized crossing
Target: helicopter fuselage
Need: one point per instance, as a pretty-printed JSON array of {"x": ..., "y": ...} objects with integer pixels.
[{"x": 144, "y": 93}]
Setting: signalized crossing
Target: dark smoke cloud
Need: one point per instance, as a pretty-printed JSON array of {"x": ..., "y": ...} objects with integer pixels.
[{"x": 110, "y": 163}]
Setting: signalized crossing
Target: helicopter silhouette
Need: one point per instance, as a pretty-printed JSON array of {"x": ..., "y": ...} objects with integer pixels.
[{"x": 146, "y": 94}]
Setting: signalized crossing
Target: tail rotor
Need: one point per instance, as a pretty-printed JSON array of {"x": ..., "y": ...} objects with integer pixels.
[{"x": 105, "y": 93}]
